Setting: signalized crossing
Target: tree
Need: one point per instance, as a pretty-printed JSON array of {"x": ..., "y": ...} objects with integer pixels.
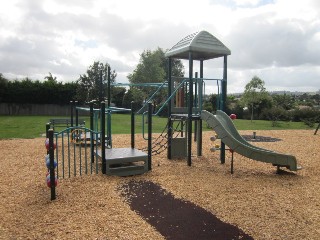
[
  {"x": 134, "y": 95},
  {"x": 210, "y": 102},
  {"x": 89, "y": 85},
  {"x": 3, "y": 86},
  {"x": 276, "y": 114},
  {"x": 152, "y": 68},
  {"x": 255, "y": 96},
  {"x": 117, "y": 95},
  {"x": 50, "y": 78},
  {"x": 284, "y": 101}
]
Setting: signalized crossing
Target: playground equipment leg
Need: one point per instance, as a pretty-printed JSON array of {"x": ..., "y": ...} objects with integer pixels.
[
  {"x": 190, "y": 106},
  {"x": 51, "y": 168},
  {"x": 103, "y": 138},
  {"x": 199, "y": 138},
  {"x": 231, "y": 162},
  {"x": 132, "y": 126},
  {"x": 149, "y": 136},
  {"x": 91, "y": 135}
]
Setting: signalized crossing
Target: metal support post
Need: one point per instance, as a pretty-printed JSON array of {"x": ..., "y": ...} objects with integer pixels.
[
  {"x": 103, "y": 137},
  {"x": 149, "y": 136},
  {"x": 51, "y": 166},
  {"x": 132, "y": 126},
  {"x": 190, "y": 106}
]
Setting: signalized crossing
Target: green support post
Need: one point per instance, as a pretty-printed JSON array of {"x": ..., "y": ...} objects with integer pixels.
[
  {"x": 223, "y": 105},
  {"x": 51, "y": 166},
  {"x": 101, "y": 86},
  {"x": 199, "y": 146},
  {"x": 103, "y": 138},
  {"x": 91, "y": 134},
  {"x": 47, "y": 133},
  {"x": 169, "y": 108},
  {"x": 47, "y": 130},
  {"x": 109, "y": 139},
  {"x": 190, "y": 106},
  {"x": 109, "y": 87},
  {"x": 149, "y": 135},
  {"x": 132, "y": 126},
  {"x": 195, "y": 105}
]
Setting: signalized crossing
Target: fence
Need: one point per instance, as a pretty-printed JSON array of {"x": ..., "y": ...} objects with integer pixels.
[{"x": 34, "y": 109}]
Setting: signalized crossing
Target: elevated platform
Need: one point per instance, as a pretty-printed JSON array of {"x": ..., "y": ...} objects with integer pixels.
[
  {"x": 180, "y": 116},
  {"x": 125, "y": 161}
]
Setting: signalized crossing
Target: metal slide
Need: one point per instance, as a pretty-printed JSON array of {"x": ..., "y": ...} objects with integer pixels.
[{"x": 224, "y": 127}]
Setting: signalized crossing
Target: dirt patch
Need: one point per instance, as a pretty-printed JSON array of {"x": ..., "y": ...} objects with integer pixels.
[{"x": 175, "y": 218}]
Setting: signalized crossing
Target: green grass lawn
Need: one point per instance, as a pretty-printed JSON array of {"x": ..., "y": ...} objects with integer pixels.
[{"x": 34, "y": 126}]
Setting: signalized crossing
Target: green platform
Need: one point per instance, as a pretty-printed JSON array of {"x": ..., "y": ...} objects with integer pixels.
[{"x": 125, "y": 161}]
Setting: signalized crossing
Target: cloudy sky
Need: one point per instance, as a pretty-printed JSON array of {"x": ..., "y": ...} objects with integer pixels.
[{"x": 276, "y": 40}]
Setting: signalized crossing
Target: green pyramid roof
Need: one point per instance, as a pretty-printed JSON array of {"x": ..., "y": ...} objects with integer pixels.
[{"x": 203, "y": 46}]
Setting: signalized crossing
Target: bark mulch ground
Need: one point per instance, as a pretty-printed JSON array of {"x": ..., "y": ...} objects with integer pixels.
[
  {"x": 175, "y": 218},
  {"x": 255, "y": 199}
]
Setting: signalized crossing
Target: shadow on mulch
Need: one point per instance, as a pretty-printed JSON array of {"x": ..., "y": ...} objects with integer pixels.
[
  {"x": 175, "y": 218},
  {"x": 251, "y": 138}
]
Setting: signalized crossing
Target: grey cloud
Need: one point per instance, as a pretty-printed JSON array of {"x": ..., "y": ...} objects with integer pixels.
[{"x": 256, "y": 43}]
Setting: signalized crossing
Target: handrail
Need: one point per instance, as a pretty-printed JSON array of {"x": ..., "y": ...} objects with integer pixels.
[
  {"x": 198, "y": 78},
  {"x": 138, "y": 84},
  {"x": 151, "y": 97},
  {"x": 172, "y": 95}
]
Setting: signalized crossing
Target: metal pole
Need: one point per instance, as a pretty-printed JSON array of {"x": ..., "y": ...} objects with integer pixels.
[
  {"x": 51, "y": 168},
  {"x": 132, "y": 126},
  {"x": 47, "y": 129},
  {"x": 149, "y": 135},
  {"x": 223, "y": 105},
  {"x": 109, "y": 87},
  {"x": 199, "y": 142},
  {"x": 195, "y": 105},
  {"x": 103, "y": 137},
  {"x": 47, "y": 133},
  {"x": 231, "y": 161},
  {"x": 190, "y": 106},
  {"x": 169, "y": 131},
  {"x": 101, "y": 86},
  {"x": 91, "y": 133}
]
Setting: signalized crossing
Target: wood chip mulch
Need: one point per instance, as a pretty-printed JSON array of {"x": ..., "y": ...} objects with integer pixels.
[{"x": 256, "y": 200}]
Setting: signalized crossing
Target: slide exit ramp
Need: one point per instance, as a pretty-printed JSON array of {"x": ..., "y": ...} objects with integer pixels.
[{"x": 229, "y": 135}]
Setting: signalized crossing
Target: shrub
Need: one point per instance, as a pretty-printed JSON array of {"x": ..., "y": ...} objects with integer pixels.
[
  {"x": 275, "y": 114},
  {"x": 307, "y": 115}
]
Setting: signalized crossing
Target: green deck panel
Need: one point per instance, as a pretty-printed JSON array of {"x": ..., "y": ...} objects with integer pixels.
[
  {"x": 122, "y": 161},
  {"x": 227, "y": 132}
]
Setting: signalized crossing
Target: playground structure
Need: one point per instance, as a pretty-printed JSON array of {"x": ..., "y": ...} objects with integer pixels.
[
  {"x": 78, "y": 148},
  {"x": 199, "y": 46}
]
